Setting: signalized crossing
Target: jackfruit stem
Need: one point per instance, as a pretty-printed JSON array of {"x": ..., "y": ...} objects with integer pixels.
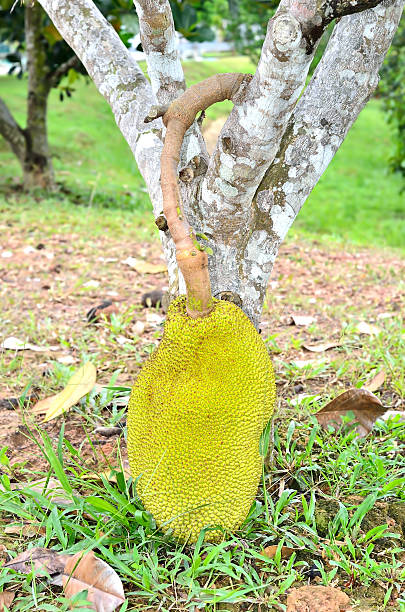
[{"x": 192, "y": 262}]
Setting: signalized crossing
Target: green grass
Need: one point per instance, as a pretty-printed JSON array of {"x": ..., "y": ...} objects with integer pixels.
[
  {"x": 357, "y": 199},
  {"x": 306, "y": 502}
]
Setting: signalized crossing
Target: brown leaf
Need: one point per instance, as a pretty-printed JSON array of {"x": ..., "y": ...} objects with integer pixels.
[
  {"x": 303, "y": 320},
  {"x": 317, "y": 599},
  {"x": 81, "y": 383},
  {"x": 28, "y": 530},
  {"x": 270, "y": 551},
  {"x": 145, "y": 267},
  {"x": 6, "y": 598},
  {"x": 44, "y": 561},
  {"x": 366, "y": 406},
  {"x": 15, "y": 344},
  {"x": 103, "y": 585},
  {"x": 320, "y": 348},
  {"x": 376, "y": 382}
]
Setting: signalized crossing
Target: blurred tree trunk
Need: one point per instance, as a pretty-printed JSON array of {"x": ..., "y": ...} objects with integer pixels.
[
  {"x": 37, "y": 163},
  {"x": 30, "y": 145}
]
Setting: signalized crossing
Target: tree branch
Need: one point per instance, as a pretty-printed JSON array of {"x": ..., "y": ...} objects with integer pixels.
[
  {"x": 54, "y": 77},
  {"x": 340, "y": 87},
  {"x": 11, "y": 132},
  {"x": 251, "y": 137},
  {"x": 159, "y": 44}
]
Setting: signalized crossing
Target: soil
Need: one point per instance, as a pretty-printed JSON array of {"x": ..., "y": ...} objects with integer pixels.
[{"x": 46, "y": 287}]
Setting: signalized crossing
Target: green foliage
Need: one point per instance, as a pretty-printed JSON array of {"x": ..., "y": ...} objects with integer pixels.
[
  {"x": 56, "y": 50},
  {"x": 321, "y": 497},
  {"x": 392, "y": 89},
  {"x": 345, "y": 205},
  {"x": 192, "y": 19},
  {"x": 248, "y": 24}
]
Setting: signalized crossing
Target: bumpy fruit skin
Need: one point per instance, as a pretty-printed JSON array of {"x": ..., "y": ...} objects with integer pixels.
[{"x": 196, "y": 414}]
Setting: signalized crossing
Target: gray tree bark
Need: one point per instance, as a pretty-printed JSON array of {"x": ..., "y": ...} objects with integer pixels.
[{"x": 275, "y": 144}]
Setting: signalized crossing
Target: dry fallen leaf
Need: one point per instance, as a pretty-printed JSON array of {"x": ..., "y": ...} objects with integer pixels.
[
  {"x": 303, "y": 320},
  {"x": 366, "y": 406},
  {"x": 15, "y": 344},
  {"x": 138, "y": 328},
  {"x": 145, "y": 267},
  {"x": 386, "y": 315},
  {"x": 270, "y": 551},
  {"x": 366, "y": 328},
  {"x": 50, "y": 488},
  {"x": 103, "y": 585},
  {"x": 154, "y": 318},
  {"x": 376, "y": 382},
  {"x": 317, "y": 599},
  {"x": 44, "y": 561},
  {"x": 28, "y": 530},
  {"x": 320, "y": 348},
  {"x": 6, "y": 599},
  {"x": 81, "y": 383}
]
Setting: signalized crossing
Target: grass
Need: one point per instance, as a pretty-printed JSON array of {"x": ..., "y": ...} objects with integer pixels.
[
  {"x": 306, "y": 502},
  {"x": 357, "y": 200}
]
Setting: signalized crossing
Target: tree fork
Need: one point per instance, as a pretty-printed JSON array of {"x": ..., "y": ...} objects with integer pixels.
[{"x": 191, "y": 259}]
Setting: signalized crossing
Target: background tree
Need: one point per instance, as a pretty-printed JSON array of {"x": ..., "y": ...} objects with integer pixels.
[
  {"x": 392, "y": 88},
  {"x": 276, "y": 142},
  {"x": 50, "y": 59}
]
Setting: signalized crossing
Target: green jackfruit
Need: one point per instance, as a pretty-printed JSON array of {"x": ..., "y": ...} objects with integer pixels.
[{"x": 196, "y": 415}]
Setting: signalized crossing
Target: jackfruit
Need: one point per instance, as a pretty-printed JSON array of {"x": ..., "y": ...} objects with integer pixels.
[{"x": 196, "y": 415}]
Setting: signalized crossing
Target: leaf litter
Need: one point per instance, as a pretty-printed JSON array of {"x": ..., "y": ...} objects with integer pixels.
[{"x": 365, "y": 406}]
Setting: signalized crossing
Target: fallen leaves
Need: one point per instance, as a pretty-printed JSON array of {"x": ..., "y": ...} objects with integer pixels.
[
  {"x": 366, "y": 406},
  {"x": 317, "y": 599},
  {"x": 271, "y": 551},
  {"x": 302, "y": 320},
  {"x": 76, "y": 573},
  {"x": 367, "y": 328},
  {"x": 145, "y": 267},
  {"x": 6, "y": 599},
  {"x": 105, "y": 309},
  {"x": 81, "y": 383},
  {"x": 45, "y": 562},
  {"x": 103, "y": 585},
  {"x": 320, "y": 348},
  {"x": 25, "y": 529},
  {"x": 16, "y": 344},
  {"x": 376, "y": 382},
  {"x": 138, "y": 328}
]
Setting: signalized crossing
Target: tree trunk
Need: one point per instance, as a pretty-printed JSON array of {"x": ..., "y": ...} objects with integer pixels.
[
  {"x": 37, "y": 163},
  {"x": 240, "y": 197}
]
